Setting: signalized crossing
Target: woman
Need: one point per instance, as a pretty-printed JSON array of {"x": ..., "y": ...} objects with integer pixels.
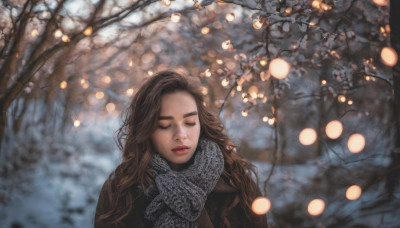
[{"x": 178, "y": 169}]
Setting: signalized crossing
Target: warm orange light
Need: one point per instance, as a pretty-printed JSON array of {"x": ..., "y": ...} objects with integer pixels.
[
  {"x": 204, "y": 90},
  {"x": 220, "y": 61},
  {"x": 271, "y": 121},
  {"x": 257, "y": 24},
  {"x": 58, "y": 33},
  {"x": 381, "y": 2},
  {"x": 307, "y": 136},
  {"x": 34, "y": 33},
  {"x": 106, "y": 79},
  {"x": 350, "y": 102},
  {"x": 389, "y": 56},
  {"x": 353, "y": 192},
  {"x": 65, "y": 38},
  {"x": 323, "y": 82},
  {"x": 265, "y": 119},
  {"x": 245, "y": 113},
  {"x": 239, "y": 88},
  {"x": 207, "y": 73},
  {"x": 225, "y": 82},
  {"x": 230, "y": 17},
  {"x": 263, "y": 62},
  {"x": 63, "y": 84},
  {"x": 316, "y": 207},
  {"x": 341, "y": 98},
  {"x": 334, "y": 129},
  {"x": 260, "y": 205},
  {"x": 205, "y": 30},
  {"x": 88, "y": 31},
  {"x": 356, "y": 143},
  {"x": 279, "y": 68}
]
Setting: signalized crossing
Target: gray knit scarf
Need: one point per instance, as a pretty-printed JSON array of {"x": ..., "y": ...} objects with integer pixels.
[{"x": 178, "y": 197}]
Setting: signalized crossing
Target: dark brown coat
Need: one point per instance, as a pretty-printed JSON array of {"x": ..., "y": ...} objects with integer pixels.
[{"x": 222, "y": 197}]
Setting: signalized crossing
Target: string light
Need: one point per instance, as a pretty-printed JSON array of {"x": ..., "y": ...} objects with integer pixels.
[
  {"x": 77, "y": 123},
  {"x": 58, "y": 33},
  {"x": 350, "y": 102},
  {"x": 150, "y": 72},
  {"x": 263, "y": 62},
  {"x": 226, "y": 44},
  {"x": 166, "y": 2},
  {"x": 204, "y": 90},
  {"x": 65, "y": 38},
  {"x": 356, "y": 143},
  {"x": 34, "y": 33},
  {"x": 381, "y": 2},
  {"x": 225, "y": 82},
  {"x": 245, "y": 113},
  {"x": 63, "y": 85},
  {"x": 207, "y": 73},
  {"x": 85, "y": 84},
  {"x": 175, "y": 17},
  {"x": 220, "y": 61},
  {"x": 258, "y": 23},
  {"x": 307, "y": 136},
  {"x": 230, "y": 17},
  {"x": 239, "y": 88},
  {"x": 353, "y": 192},
  {"x": 130, "y": 62},
  {"x": 261, "y": 205},
  {"x": 205, "y": 30},
  {"x": 271, "y": 121},
  {"x": 129, "y": 92},
  {"x": 316, "y": 207},
  {"x": 88, "y": 31},
  {"x": 389, "y": 56},
  {"x": 265, "y": 119},
  {"x": 341, "y": 98},
  {"x": 323, "y": 82},
  {"x": 368, "y": 78},
  {"x": 334, "y": 129},
  {"x": 279, "y": 68}
]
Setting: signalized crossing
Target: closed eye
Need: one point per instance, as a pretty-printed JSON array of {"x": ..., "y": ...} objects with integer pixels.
[
  {"x": 191, "y": 124},
  {"x": 164, "y": 127}
]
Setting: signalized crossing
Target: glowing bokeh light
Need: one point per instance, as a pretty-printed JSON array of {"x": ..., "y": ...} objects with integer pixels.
[
  {"x": 323, "y": 82},
  {"x": 34, "y": 33},
  {"x": 166, "y": 2},
  {"x": 257, "y": 24},
  {"x": 389, "y": 56},
  {"x": 271, "y": 121},
  {"x": 350, "y": 102},
  {"x": 253, "y": 91},
  {"x": 353, "y": 192},
  {"x": 260, "y": 205},
  {"x": 129, "y": 92},
  {"x": 219, "y": 61},
  {"x": 110, "y": 107},
  {"x": 65, "y": 38},
  {"x": 265, "y": 119},
  {"x": 356, "y": 143},
  {"x": 342, "y": 98},
  {"x": 225, "y": 82},
  {"x": 106, "y": 79},
  {"x": 307, "y": 136},
  {"x": 205, "y": 30},
  {"x": 230, "y": 17},
  {"x": 63, "y": 84},
  {"x": 175, "y": 17},
  {"x": 77, "y": 123},
  {"x": 207, "y": 73},
  {"x": 58, "y": 33},
  {"x": 381, "y": 2},
  {"x": 99, "y": 95},
  {"x": 316, "y": 207},
  {"x": 88, "y": 31},
  {"x": 245, "y": 112},
  {"x": 279, "y": 68},
  {"x": 226, "y": 44},
  {"x": 263, "y": 62},
  {"x": 334, "y": 129}
]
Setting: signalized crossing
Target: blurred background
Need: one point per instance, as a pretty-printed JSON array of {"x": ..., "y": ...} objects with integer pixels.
[{"x": 307, "y": 89}]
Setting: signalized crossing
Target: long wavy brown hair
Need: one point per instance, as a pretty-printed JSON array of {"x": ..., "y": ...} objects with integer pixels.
[{"x": 140, "y": 121}]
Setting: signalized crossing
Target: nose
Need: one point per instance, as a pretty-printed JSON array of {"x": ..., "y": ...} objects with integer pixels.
[{"x": 180, "y": 133}]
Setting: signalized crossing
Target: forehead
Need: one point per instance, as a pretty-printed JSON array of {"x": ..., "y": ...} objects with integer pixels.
[{"x": 177, "y": 103}]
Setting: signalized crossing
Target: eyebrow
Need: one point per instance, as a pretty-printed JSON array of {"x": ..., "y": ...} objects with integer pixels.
[{"x": 171, "y": 118}]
